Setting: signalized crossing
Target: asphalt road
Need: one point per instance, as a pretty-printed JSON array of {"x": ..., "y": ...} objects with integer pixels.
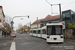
[
  {"x": 27, "y": 42},
  {"x": 5, "y": 43}
]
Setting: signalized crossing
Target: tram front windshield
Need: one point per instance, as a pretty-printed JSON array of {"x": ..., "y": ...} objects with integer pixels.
[{"x": 54, "y": 30}]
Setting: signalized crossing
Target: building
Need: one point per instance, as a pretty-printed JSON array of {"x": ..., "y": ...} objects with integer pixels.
[
  {"x": 42, "y": 22},
  {"x": 2, "y": 17},
  {"x": 49, "y": 18},
  {"x": 68, "y": 16},
  {"x": 34, "y": 24}
]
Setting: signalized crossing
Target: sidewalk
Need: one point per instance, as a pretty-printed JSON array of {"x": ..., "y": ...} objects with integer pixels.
[{"x": 70, "y": 40}]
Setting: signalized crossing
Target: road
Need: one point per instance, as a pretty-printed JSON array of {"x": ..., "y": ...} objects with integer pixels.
[
  {"x": 27, "y": 42},
  {"x": 5, "y": 43}
]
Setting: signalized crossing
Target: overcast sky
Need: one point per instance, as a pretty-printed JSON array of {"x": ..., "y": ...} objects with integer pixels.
[{"x": 33, "y": 8}]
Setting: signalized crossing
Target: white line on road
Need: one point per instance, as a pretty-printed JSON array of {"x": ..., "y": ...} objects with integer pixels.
[{"x": 13, "y": 46}]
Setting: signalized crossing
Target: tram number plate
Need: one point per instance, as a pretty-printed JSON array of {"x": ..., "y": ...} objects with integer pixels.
[{"x": 55, "y": 38}]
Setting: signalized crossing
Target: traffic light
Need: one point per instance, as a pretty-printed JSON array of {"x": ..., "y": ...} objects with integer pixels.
[{"x": 28, "y": 16}]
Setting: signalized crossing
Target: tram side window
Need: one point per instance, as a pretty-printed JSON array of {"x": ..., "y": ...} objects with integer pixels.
[
  {"x": 34, "y": 31},
  {"x": 30, "y": 31},
  {"x": 38, "y": 31},
  {"x": 44, "y": 31}
]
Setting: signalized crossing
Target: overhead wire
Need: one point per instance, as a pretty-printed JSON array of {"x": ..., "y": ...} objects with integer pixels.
[
  {"x": 60, "y": 3},
  {"x": 50, "y": 5},
  {"x": 68, "y": 5}
]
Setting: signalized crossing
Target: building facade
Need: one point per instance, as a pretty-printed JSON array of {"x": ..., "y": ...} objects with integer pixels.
[
  {"x": 68, "y": 16},
  {"x": 36, "y": 24},
  {"x": 2, "y": 17}
]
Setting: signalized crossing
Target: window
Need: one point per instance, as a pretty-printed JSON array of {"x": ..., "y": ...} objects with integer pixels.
[
  {"x": 54, "y": 30},
  {"x": 39, "y": 31},
  {"x": 66, "y": 14},
  {"x": 0, "y": 20},
  {"x": 44, "y": 31},
  {"x": 34, "y": 31}
]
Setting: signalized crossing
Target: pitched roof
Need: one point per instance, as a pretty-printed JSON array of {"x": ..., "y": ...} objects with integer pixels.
[
  {"x": 47, "y": 17},
  {"x": 38, "y": 21},
  {"x": 55, "y": 16}
]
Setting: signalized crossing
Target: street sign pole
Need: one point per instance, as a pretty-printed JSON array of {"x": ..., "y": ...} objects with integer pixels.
[
  {"x": 13, "y": 22},
  {"x": 12, "y": 25}
]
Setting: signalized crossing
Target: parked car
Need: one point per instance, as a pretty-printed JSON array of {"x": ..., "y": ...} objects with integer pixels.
[{"x": 13, "y": 34}]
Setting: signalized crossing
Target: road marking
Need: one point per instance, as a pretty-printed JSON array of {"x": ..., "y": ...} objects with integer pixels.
[
  {"x": 71, "y": 42},
  {"x": 13, "y": 46}
]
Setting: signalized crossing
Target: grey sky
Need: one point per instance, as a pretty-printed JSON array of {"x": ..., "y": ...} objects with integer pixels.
[{"x": 33, "y": 8}]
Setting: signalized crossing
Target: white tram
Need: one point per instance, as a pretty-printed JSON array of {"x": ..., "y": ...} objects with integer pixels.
[
  {"x": 55, "y": 32},
  {"x": 34, "y": 32},
  {"x": 31, "y": 31},
  {"x": 43, "y": 32},
  {"x": 52, "y": 32},
  {"x": 39, "y": 32}
]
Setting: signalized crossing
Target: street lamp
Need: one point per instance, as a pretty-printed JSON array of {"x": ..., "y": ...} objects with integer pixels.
[{"x": 13, "y": 22}]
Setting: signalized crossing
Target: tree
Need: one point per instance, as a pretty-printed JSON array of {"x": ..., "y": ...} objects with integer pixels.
[
  {"x": 69, "y": 25},
  {"x": 73, "y": 25},
  {"x": 8, "y": 19}
]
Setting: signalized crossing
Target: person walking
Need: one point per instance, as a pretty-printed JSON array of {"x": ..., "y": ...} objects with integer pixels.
[{"x": 2, "y": 33}]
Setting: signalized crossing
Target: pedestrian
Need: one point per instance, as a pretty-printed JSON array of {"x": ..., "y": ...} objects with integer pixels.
[{"x": 2, "y": 33}]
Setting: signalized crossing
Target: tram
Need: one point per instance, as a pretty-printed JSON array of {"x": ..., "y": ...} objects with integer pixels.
[
  {"x": 52, "y": 32},
  {"x": 39, "y": 32},
  {"x": 31, "y": 33},
  {"x": 43, "y": 32},
  {"x": 34, "y": 32},
  {"x": 55, "y": 32}
]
